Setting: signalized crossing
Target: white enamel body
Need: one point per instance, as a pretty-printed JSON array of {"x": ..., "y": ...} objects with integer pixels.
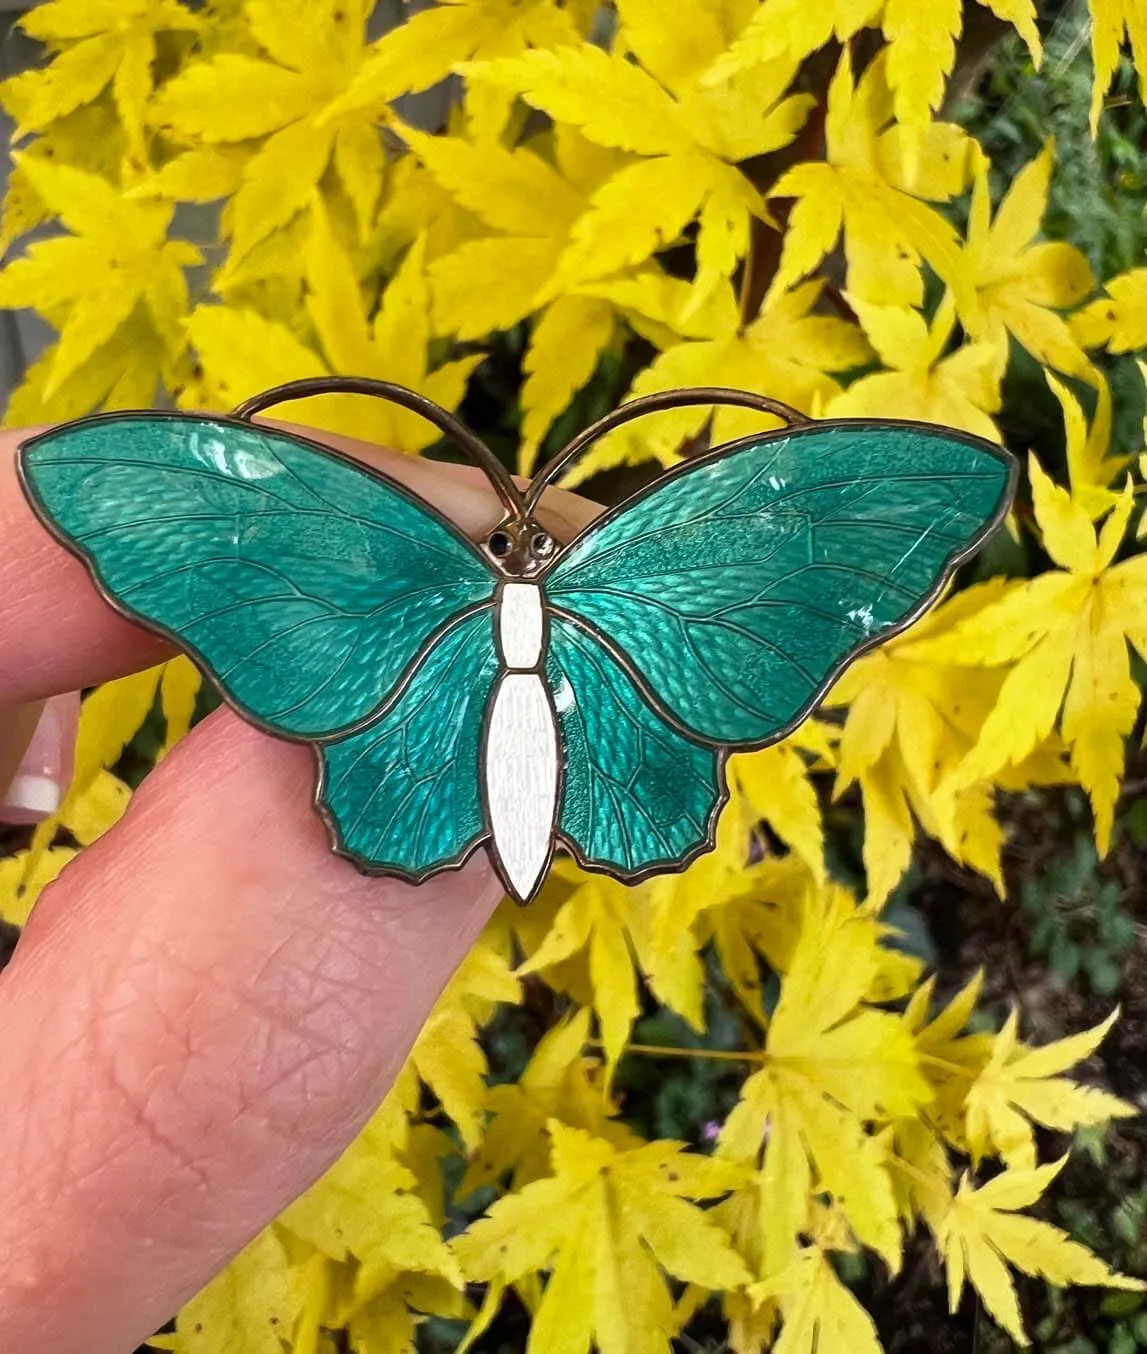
[{"x": 521, "y": 767}]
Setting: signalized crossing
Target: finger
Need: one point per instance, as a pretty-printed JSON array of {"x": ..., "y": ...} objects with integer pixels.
[
  {"x": 59, "y": 635},
  {"x": 36, "y": 749},
  {"x": 202, "y": 1012},
  {"x": 17, "y": 725}
]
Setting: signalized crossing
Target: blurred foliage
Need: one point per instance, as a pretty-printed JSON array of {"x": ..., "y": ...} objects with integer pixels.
[{"x": 1077, "y": 920}]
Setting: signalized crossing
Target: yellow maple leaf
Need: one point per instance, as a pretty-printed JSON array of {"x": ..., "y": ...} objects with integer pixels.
[
  {"x": 427, "y": 46},
  {"x": 1006, "y": 284},
  {"x": 559, "y": 1082},
  {"x": 1109, "y": 19},
  {"x": 820, "y": 1315},
  {"x": 248, "y": 1306},
  {"x": 92, "y": 138},
  {"x": 96, "y": 43},
  {"x": 518, "y": 193},
  {"x": 20, "y": 887},
  {"x": 594, "y": 918},
  {"x": 921, "y": 54},
  {"x": 677, "y": 53},
  {"x": 366, "y": 1207},
  {"x": 364, "y": 1253},
  {"x": 864, "y": 189},
  {"x": 202, "y": 175},
  {"x": 96, "y": 799},
  {"x": 602, "y": 934},
  {"x": 178, "y": 693},
  {"x": 1117, "y": 321},
  {"x": 389, "y": 1319},
  {"x": 91, "y": 282},
  {"x": 921, "y": 42},
  {"x": 950, "y": 1058},
  {"x": 608, "y": 1225},
  {"x": 752, "y": 1318},
  {"x": 271, "y": 277},
  {"x": 767, "y": 909},
  {"x": 1062, "y": 638},
  {"x": 110, "y": 717},
  {"x": 982, "y": 1234},
  {"x": 563, "y": 347},
  {"x": 921, "y": 1173},
  {"x": 666, "y": 309},
  {"x": 447, "y": 1055},
  {"x": 312, "y": 50},
  {"x": 566, "y": 344},
  {"x": 527, "y": 207},
  {"x": 394, "y": 346},
  {"x": 464, "y": 307},
  {"x": 778, "y": 28},
  {"x": 424, "y": 1148},
  {"x": 830, "y": 1067},
  {"x": 241, "y": 353},
  {"x": 775, "y": 783},
  {"x": 675, "y": 972},
  {"x": 414, "y": 203},
  {"x": 1089, "y": 467},
  {"x": 913, "y": 717},
  {"x": 750, "y": 909},
  {"x": 922, "y": 50},
  {"x": 106, "y": 380},
  {"x": 724, "y": 899},
  {"x": 1018, "y": 1086},
  {"x": 788, "y": 352},
  {"x": 87, "y": 814},
  {"x": 529, "y": 927},
  {"x": 960, "y": 390},
  {"x": 688, "y": 146}
]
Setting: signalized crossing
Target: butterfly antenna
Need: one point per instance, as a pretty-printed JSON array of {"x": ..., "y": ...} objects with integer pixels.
[
  {"x": 653, "y": 404},
  {"x": 458, "y": 433}
]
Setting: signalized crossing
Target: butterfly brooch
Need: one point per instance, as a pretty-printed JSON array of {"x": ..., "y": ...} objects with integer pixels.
[{"x": 520, "y": 693}]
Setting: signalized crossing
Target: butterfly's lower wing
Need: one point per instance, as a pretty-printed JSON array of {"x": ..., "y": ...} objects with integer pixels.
[
  {"x": 737, "y": 587},
  {"x": 303, "y": 583},
  {"x": 638, "y": 795},
  {"x": 402, "y": 794}
]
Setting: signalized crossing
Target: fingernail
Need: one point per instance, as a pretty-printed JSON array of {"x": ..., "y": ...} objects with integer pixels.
[{"x": 37, "y": 789}]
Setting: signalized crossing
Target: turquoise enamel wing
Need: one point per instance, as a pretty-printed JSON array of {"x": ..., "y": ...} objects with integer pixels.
[{"x": 518, "y": 693}]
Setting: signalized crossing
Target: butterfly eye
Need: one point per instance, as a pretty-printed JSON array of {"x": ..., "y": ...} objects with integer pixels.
[
  {"x": 499, "y": 544},
  {"x": 542, "y": 545}
]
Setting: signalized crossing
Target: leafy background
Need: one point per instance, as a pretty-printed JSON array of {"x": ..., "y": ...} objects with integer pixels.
[{"x": 813, "y": 1090}]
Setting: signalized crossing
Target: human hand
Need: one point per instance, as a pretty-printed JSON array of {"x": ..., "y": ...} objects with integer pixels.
[{"x": 207, "y": 1006}]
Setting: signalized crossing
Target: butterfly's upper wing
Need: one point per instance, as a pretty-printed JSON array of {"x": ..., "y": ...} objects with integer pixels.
[
  {"x": 735, "y": 589},
  {"x": 325, "y": 601},
  {"x": 303, "y": 583}
]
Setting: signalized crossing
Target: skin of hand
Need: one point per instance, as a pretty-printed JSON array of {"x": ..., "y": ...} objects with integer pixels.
[{"x": 208, "y": 1005}]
